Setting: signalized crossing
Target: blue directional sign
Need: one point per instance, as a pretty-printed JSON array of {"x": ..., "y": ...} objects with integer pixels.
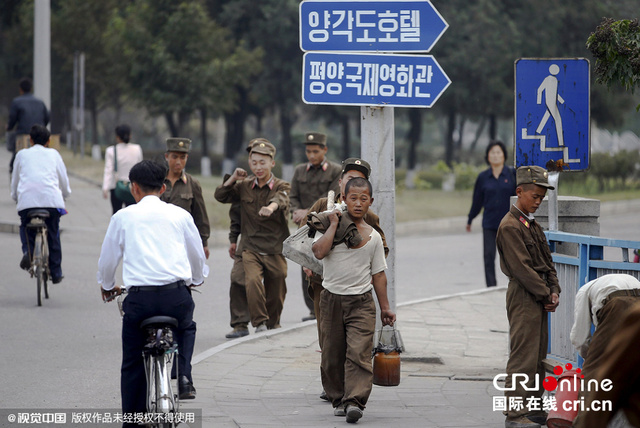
[
  {"x": 552, "y": 112},
  {"x": 372, "y": 79},
  {"x": 364, "y": 26}
]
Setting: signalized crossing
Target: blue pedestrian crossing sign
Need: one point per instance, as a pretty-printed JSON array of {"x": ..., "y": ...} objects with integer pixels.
[{"x": 552, "y": 112}]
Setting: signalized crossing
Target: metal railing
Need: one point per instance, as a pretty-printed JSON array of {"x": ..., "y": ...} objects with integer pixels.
[{"x": 574, "y": 271}]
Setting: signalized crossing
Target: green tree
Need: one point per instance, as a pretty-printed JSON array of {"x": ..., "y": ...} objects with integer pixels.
[
  {"x": 272, "y": 25},
  {"x": 80, "y": 26},
  {"x": 616, "y": 47},
  {"x": 180, "y": 60},
  {"x": 16, "y": 47}
]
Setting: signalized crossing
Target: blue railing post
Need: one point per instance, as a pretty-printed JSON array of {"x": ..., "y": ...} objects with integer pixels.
[
  {"x": 573, "y": 272},
  {"x": 596, "y": 252}
]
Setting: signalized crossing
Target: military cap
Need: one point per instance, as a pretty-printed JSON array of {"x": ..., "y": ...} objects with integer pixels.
[
  {"x": 358, "y": 165},
  {"x": 255, "y": 141},
  {"x": 264, "y": 147},
  {"x": 178, "y": 145},
  {"x": 315, "y": 138},
  {"x": 533, "y": 175}
]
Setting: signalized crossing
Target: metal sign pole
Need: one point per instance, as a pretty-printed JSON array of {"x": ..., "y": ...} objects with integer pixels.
[
  {"x": 377, "y": 147},
  {"x": 81, "y": 104},
  {"x": 74, "y": 110},
  {"x": 42, "y": 51},
  {"x": 554, "y": 177}
]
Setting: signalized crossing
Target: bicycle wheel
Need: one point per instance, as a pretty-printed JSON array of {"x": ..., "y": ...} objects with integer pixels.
[
  {"x": 164, "y": 394},
  {"x": 39, "y": 266}
]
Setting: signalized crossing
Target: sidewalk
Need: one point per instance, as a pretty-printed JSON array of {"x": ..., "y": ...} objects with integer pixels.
[{"x": 455, "y": 345}]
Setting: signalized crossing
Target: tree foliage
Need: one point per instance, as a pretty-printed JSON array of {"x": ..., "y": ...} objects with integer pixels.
[
  {"x": 180, "y": 59},
  {"x": 616, "y": 47}
]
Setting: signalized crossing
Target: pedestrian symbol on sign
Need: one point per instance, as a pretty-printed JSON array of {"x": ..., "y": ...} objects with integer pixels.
[
  {"x": 552, "y": 112},
  {"x": 549, "y": 87}
]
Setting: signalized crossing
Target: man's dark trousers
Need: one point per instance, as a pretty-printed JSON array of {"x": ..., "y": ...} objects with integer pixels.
[
  {"x": 138, "y": 306},
  {"x": 53, "y": 238}
]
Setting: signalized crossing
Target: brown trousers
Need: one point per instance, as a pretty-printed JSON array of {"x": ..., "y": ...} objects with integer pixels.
[
  {"x": 238, "y": 306},
  {"x": 265, "y": 282},
  {"x": 348, "y": 326},
  {"x": 528, "y": 336}
]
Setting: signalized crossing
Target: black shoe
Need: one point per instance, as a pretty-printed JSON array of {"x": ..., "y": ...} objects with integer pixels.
[
  {"x": 25, "y": 263},
  {"x": 323, "y": 396},
  {"x": 354, "y": 413},
  {"x": 237, "y": 332},
  {"x": 56, "y": 280},
  {"x": 186, "y": 389},
  {"x": 309, "y": 317}
]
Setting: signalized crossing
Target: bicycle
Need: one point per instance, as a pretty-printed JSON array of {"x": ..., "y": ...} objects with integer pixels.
[
  {"x": 40, "y": 260},
  {"x": 160, "y": 351}
]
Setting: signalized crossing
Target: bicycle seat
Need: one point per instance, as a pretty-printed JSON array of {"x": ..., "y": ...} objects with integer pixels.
[
  {"x": 159, "y": 320},
  {"x": 38, "y": 213}
]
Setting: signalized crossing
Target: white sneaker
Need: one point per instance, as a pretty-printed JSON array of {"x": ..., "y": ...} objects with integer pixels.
[
  {"x": 339, "y": 411},
  {"x": 262, "y": 327}
]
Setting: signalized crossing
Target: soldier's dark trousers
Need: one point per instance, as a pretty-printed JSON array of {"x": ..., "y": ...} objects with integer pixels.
[
  {"x": 238, "y": 306},
  {"x": 348, "y": 325},
  {"x": 264, "y": 276},
  {"x": 308, "y": 299},
  {"x": 314, "y": 290},
  {"x": 528, "y": 337}
]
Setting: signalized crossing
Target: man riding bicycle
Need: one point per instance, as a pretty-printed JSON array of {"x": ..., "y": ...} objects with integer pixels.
[
  {"x": 39, "y": 180},
  {"x": 144, "y": 236}
]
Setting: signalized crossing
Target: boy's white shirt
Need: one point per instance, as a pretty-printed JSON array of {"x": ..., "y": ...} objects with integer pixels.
[{"x": 348, "y": 271}]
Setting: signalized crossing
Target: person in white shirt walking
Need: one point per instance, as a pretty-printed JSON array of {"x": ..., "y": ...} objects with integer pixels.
[
  {"x": 118, "y": 160},
  {"x": 144, "y": 236},
  {"x": 39, "y": 180}
]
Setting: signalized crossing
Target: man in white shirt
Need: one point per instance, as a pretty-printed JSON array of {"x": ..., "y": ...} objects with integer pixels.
[
  {"x": 603, "y": 302},
  {"x": 607, "y": 302},
  {"x": 144, "y": 236},
  {"x": 39, "y": 180}
]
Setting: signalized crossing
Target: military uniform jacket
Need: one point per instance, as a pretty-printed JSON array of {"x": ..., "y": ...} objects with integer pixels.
[
  {"x": 260, "y": 234},
  {"x": 525, "y": 256},
  {"x": 370, "y": 218},
  {"x": 312, "y": 183},
  {"x": 187, "y": 194}
]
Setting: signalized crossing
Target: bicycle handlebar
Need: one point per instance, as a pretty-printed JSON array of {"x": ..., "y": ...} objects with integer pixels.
[{"x": 113, "y": 293}]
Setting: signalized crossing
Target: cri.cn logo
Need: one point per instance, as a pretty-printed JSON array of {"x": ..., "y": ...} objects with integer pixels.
[{"x": 549, "y": 383}]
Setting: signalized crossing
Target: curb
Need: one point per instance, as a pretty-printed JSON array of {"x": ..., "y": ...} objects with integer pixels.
[{"x": 219, "y": 348}]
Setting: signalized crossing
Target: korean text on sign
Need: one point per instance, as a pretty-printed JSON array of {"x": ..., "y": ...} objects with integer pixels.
[
  {"x": 393, "y": 80},
  {"x": 398, "y": 26}
]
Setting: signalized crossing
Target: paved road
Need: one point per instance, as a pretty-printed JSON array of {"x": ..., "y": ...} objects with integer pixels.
[{"x": 67, "y": 352}]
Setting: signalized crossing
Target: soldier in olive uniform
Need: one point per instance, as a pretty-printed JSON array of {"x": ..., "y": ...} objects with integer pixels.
[
  {"x": 311, "y": 181},
  {"x": 238, "y": 306},
  {"x": 533, "y": 291},
  {"x": 184, "y": 191},
  {"x": 264, "y": 213}
]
